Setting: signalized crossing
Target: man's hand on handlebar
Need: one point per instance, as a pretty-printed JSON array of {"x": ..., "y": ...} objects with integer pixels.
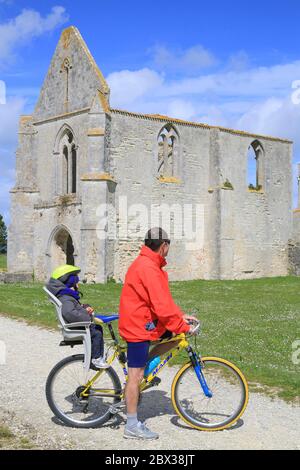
[
  {"x": 190, "y": 319},
  {"x": 194, "y": 324}
]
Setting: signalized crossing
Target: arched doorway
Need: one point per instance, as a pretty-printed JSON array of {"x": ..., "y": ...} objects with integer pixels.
[{"x": 62, "y": 248}]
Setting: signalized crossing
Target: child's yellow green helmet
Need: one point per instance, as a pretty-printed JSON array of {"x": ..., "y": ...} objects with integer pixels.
[{"x": 65, "y": 270}]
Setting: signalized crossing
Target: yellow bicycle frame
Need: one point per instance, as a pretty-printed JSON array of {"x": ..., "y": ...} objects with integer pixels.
[{"x": 118, "y": 349}]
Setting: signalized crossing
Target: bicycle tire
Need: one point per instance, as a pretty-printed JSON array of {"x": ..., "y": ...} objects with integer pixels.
[
  {"x": 182, "y": 413},
  {"x": 56, "y": 411}
]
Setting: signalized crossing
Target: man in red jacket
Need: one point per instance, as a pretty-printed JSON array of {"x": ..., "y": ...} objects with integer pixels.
[{"x": 147, "y": 313}]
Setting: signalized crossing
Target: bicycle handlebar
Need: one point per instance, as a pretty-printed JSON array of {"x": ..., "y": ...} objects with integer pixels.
[{"x": 194, "y": 331}]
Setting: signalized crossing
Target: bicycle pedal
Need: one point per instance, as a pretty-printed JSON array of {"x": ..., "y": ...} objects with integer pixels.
[
  {"x": 115, "y": 409},
  {"x": 154, "y": 383}
]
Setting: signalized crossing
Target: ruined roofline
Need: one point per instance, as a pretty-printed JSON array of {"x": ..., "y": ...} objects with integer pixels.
[{"x": 159, "y": 117}]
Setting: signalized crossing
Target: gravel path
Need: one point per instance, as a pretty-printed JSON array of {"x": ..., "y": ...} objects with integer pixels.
[{"x": 32, "y": 352}]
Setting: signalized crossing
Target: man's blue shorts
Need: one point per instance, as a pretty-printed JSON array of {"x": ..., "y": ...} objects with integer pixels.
[{"x": 137, "y": 354}]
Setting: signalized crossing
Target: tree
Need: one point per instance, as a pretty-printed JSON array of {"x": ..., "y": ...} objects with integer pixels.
[{"x": 3, "y": 231}]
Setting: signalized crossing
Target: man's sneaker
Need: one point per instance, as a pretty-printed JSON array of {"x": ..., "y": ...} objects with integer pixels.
[
  {"x": 100, "y": 363},
  {"x": 140, "y": 431}
]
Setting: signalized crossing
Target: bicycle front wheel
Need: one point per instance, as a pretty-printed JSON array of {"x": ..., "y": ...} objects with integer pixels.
[
  {"x": 64, "y": 388},
  {"x": 229, "y": 395}
]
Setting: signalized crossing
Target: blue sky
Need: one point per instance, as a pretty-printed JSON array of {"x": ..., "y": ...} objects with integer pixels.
[{"x": 226, "y": 63}]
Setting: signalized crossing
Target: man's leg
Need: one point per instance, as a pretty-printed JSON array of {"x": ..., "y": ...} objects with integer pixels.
[
  {"x": 132, "y": 393},
  {"x": 137, "y": 355}
]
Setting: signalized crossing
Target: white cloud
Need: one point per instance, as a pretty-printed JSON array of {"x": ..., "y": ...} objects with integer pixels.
[
  {"x": 181, "y": 109},
  {"x": 128, "y": 87},
  {"x": 190, "y": 60},
  {"x": 9, "y": 118},
  {"x": 29, "y": 24},
  {"x": 255, "y": 82},
  {"x": 244, "y": 98},
  {"x": 239, "y": 61}
]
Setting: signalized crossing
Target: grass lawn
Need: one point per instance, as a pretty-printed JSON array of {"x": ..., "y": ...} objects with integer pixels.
[
  {"x": 252, "y": 323},
  {"x": 3, "y": 262}
]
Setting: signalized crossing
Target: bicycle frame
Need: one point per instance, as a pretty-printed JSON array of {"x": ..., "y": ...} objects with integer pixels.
[{"x": 120, "y": 354}]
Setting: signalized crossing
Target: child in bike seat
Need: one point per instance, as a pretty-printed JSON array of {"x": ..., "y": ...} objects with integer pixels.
[{"x": 64, "y": 285}]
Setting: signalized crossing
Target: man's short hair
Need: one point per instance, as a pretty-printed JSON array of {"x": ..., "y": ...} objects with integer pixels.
[{"x": 155, "y": 237}]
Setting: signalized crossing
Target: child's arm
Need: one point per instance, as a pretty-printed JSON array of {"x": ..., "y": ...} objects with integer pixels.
[{"x": 74, "y": 312}]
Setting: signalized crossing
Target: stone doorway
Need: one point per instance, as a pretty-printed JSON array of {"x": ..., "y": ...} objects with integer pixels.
[{"x": 62, "y": 249}]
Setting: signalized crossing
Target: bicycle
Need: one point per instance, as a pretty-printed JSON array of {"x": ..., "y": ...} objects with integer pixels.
[{"x": 208, "y": 393}]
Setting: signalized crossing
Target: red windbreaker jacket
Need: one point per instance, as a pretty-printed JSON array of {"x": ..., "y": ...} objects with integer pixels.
[{"x": 145, "y": 298}]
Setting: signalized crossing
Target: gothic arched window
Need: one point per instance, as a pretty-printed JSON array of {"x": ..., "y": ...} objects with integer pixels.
[
  {"x": 168, "y": 143},
  {"x": 65, "y": 171},
  {"x": 255, "y": 165},
  {"x": 74, "y": 170},
  {"x": 68, "y": 163}
]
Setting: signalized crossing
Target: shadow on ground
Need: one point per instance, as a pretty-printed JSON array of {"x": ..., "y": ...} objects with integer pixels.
[{"x": 154, "y": 403}]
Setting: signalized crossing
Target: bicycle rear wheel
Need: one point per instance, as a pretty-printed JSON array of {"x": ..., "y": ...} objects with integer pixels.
[
  {"x": 229, "y": 395},
  {"x": 64, "y": 387}
]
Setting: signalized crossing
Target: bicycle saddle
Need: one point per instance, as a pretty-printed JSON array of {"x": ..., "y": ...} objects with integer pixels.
[{"x": 107, "y": 318}]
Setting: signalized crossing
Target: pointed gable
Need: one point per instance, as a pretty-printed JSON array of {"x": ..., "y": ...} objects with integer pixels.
[{"x": 73, "y": 79}]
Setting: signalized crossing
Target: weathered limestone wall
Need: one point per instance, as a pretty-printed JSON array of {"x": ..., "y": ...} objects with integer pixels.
[
  {"x": 54, "y": 209},
  {"x": 47, "y": 222},
  {"x": 134, "y": 163},
  {"x": 57, "y": 210},
  {"x": 245, "y": 233},
  {"x": 46, "y": 144},
  {"x": 23, "y": 197},
  {"x": 255, "y": 225},
  {"x": 72, "y": 79},
  {"x": 36, "y": 216},
  {"x": 20, "y": 258}
]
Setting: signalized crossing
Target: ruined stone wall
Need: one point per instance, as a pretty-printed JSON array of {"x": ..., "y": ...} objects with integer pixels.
[
  {"x": 255, "y": 225},
  {"x": 48, "y": 209},
  {"x": 134, "y": 164},
  {"x": 72, "y": 79},
  {"x": 23, "y": 197},
  {"x": 53, "y": 208},
  {"x": 246, "y": 232}
]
